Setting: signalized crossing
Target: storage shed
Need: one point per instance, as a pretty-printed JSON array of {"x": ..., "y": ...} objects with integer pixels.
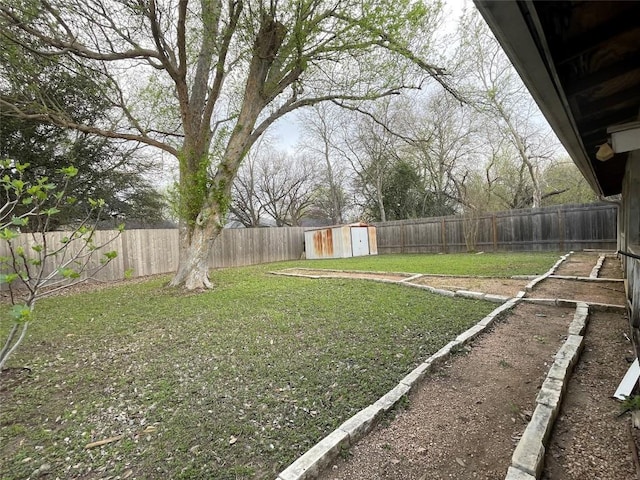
[{"x": 341, "y": 241}]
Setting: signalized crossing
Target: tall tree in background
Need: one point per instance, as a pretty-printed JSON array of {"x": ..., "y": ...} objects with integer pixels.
[
  {"x": 107, "y": 169},
  {"x": 112, "y": 171},
  {"x": 246, "y": 203},
  {"x": 274, "y": 185},
  {"x": 203, "y": 81},
  {"x": 565, "y": 184},
  {"x": 324, "y": 127},
  {"x": 372, "y": 151},
  {"x": 500, "y": 95},
  {"x": 438, "y": 139}
]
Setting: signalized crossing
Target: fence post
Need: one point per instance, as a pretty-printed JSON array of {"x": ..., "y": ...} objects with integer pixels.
[
  {"x": 444, "y": 235},
  {"x": 494, "y": 226},
  {"x": 402, "y": 238},
  {"x": 125, "y": 251},
  {"x": 561, "y": 229}
]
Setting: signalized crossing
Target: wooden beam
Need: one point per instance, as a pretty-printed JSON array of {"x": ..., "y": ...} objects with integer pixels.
[
  {"x": 597, "y": 37},
  {"x": 628, "y": 96},
  {"x": 595, "y": 121},
  {"x": 584, "y": 83}
]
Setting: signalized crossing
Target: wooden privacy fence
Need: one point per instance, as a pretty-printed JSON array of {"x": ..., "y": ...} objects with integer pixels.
[
  {"x": 573, "y": 227},
  {"x": 562, "y": 228},
  {"x": 150, "y": 252}
]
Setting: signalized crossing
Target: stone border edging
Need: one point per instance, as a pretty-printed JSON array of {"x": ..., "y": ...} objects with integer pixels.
[
  {"x": 527, "y": 461},
  {"x": 405, "y": 281},
  {"x": 551, "y": 271},
  {"x": 311, "y": 463},
  {"x": 586, "y": 279},
  {"x": 595, "y": 271},
  {"x": 563, "y": 302}
]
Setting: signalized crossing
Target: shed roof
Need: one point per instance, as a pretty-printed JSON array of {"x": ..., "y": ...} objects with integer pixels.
[{"x": 355, "y": 224}]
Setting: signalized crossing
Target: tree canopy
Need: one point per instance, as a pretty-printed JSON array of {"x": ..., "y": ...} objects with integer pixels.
[{"x": 202, "y": 81}]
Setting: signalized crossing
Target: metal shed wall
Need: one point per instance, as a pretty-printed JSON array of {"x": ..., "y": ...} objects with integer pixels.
[{"x": 337, "y": 242}]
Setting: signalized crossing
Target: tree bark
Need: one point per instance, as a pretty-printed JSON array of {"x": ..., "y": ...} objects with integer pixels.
[
  {"x": 198, "y": 234},
  {"x": 193, "y": 268}
]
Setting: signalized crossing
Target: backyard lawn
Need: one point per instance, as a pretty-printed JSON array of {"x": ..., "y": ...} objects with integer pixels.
[{"x": 228, "y": 384}]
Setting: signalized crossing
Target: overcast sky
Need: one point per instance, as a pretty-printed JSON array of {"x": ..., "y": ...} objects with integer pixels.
[{"x": 286, "y": 131}]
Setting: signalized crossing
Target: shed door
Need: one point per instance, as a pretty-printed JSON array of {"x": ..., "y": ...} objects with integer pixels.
[{"x": 359, "y": 241}]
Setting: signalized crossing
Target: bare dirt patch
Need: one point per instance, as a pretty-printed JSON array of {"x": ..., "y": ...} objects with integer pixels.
[
  {"x": 465, "y": 420},
  {"x": 611, "y": 268},
  {"x": 340, "y": 274},
  {"x": 496, "y": 286},
  {"x": 584, "y": 291},
  {"x": 589, "y": 411},
  {"x": 579, "y": 264}
]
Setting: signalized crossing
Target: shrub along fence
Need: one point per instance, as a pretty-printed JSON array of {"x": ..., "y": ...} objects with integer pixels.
[{"x": 569, "y": 227}]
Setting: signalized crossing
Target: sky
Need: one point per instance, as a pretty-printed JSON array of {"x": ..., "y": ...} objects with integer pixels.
[{"x": 286, "y": 132}]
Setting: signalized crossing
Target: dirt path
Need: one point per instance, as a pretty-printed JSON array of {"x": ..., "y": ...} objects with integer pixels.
[
  {"x": 589, "y": 409},
  {"x": 465, "y": 420}
]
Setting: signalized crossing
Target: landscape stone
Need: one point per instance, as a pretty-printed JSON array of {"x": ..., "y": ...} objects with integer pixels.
[
  {"x": 388, "y": 401},
  {"x": 417, "y": 374},
  {"x": 496, "y": 298},
  {"x": 470, "y": 294},
  {"x": 550, "y": 393},
  {"x": 309, "y": 465},
  {"x": 529, "y": 454},
  {"x": 470, "y": 334},
  {"x": 516, "y": 474},
  {"x": 361, "y": 423}
]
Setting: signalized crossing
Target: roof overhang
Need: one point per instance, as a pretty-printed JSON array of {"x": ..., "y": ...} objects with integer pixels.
[{"x": 581, "y": 62}]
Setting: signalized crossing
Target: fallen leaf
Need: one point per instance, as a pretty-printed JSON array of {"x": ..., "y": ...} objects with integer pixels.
[
  {"x": 233, "y": 440},
  {"x": 99, "y": 443},
  {"x": 460, "y": 462}
]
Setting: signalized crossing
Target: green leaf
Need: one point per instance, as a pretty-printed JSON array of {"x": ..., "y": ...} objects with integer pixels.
[
  {"x": 37, "y": 248},
  {"x": 68, "y": 273},
  {"x": 121, "y": 227},
  {"x": 8, "y": 234},
  {"x": 69, "y": 171},
  {"x": 21, "y": 167},
  {"x": 99, "y": 203},
  {"x": 20, "y": 222},
  {"x": 111, "y": 255},
  {"x": 51, "y": 211},
  {"x": 27, "y": 200},
  {"x": 8, "y": 277},
  {"x": 20, "y": 313}
]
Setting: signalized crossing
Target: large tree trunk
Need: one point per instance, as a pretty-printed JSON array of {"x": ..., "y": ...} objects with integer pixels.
[
  {"x": 205, "y": 200},
  {"x": 196, "y": 243}
]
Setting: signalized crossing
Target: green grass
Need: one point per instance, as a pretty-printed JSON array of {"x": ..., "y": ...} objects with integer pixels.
[
  {"x": 486, "y": 264},
  {"x": 274, "y": 363}
]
